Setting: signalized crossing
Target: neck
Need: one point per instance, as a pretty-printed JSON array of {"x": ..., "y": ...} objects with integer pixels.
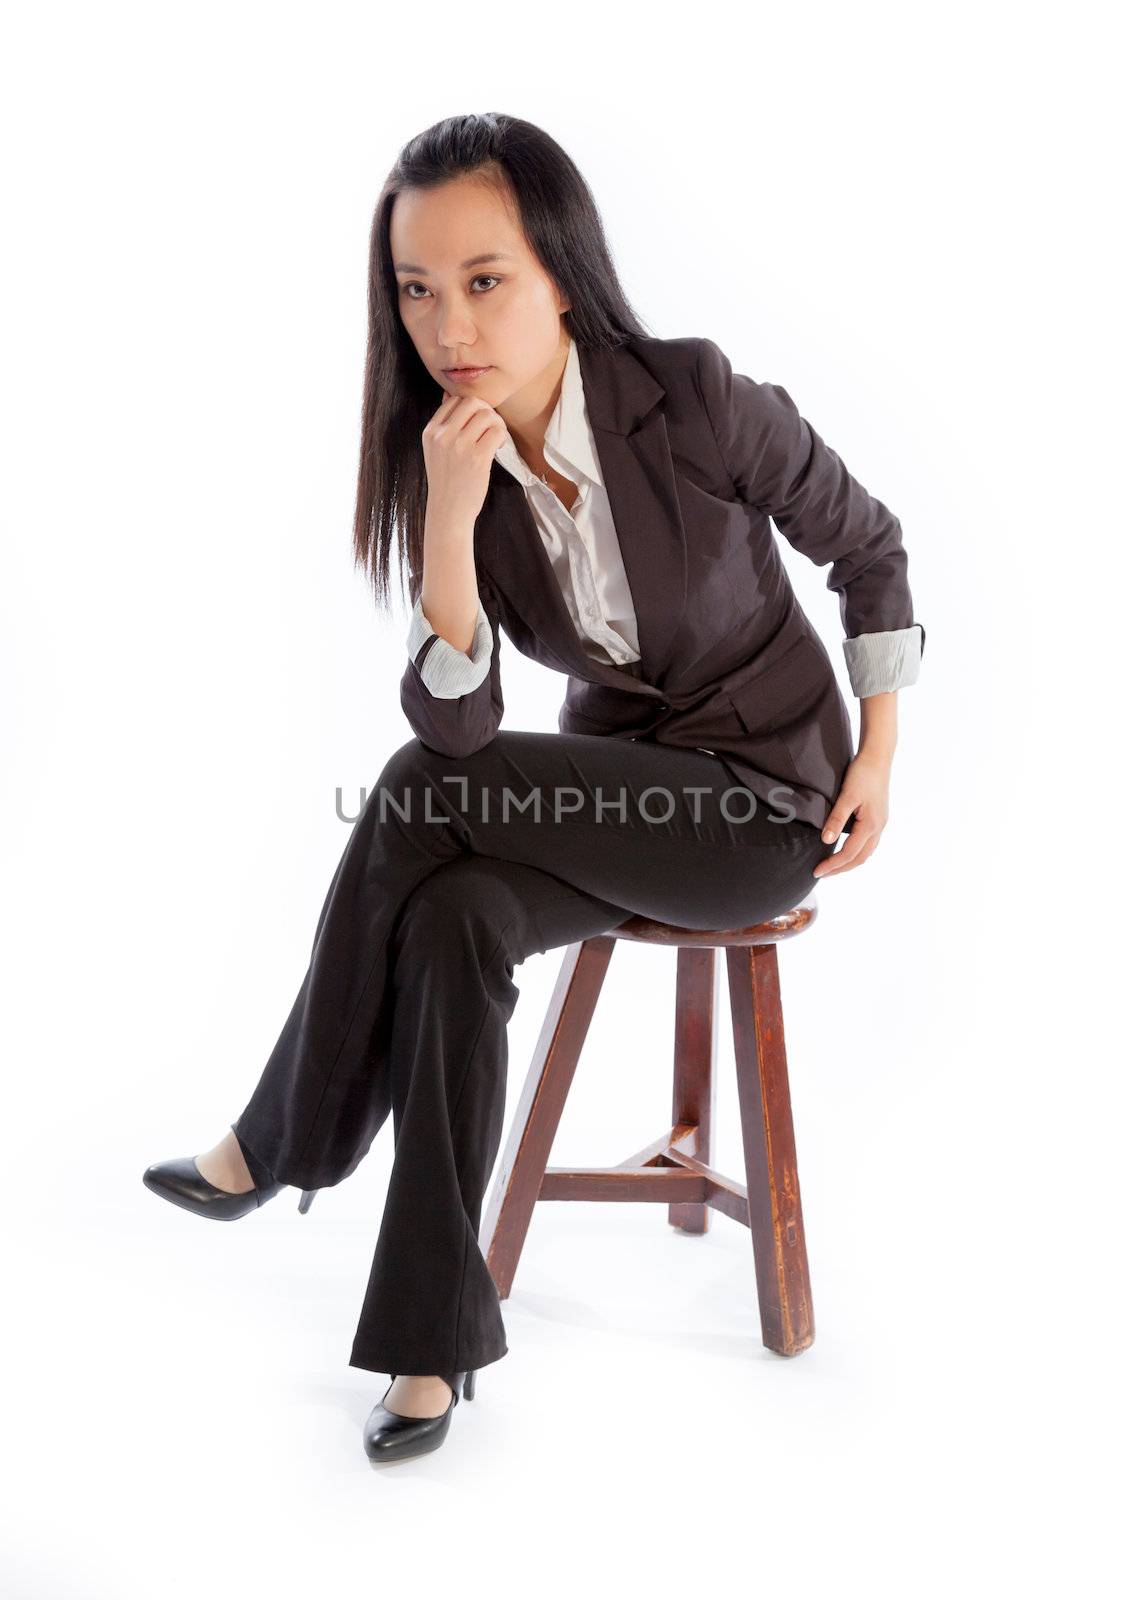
[{"x": 527, "y": 413}]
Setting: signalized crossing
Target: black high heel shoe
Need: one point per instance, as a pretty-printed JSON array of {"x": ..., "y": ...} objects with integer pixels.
[
  {"x": 388, "y": 1436},
  {"x": 181, "y": 1182}
]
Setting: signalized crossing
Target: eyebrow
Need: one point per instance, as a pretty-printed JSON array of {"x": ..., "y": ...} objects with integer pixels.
[{"x": 473, "y": 261}]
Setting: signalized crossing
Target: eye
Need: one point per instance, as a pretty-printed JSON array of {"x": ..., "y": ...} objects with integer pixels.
[{"x": 487, "y": 277}]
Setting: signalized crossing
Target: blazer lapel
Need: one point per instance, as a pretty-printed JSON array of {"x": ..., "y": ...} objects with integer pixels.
[{"x": 639, "y": 476}]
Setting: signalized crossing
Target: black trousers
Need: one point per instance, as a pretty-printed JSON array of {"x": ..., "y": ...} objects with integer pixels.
[{"x": 456, "y": 870}]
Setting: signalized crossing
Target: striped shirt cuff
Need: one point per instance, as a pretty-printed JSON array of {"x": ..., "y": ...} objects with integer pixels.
[
  {"x": 880, "y": 662},
  {"x": 448, "y": 673}
]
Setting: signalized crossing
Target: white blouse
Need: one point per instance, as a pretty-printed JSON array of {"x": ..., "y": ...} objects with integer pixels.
[{"x": 586, "y": 558}]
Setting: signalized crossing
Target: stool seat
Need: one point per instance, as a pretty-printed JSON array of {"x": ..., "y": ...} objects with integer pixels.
[
  {"x": 675, "y": 1169},
  {"x": 644, "y": 930}
]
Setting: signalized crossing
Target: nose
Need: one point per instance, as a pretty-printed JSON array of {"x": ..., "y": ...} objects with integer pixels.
[
  {"x": 456, "y": 353},
  {"x": 455, "y": 335}
]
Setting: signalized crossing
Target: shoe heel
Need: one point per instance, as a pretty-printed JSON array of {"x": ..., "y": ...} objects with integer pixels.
[
  {"x": 307, "y": 1197},
  {"x": 469, "y": 1385}
]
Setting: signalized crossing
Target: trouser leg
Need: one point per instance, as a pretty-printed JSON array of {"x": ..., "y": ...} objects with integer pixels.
[
  {"x": 327, "y": 1074},
  {"x": 431, "y": 1305},
  {"x": 645, "y": 827}
]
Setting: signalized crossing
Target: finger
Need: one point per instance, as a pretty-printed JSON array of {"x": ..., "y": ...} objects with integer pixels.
[
  {"x": 443, "y": 412},
  {"x": 468, "y": 419},
  {"x": 833, "y": 827},
  {"x": 833, "y": 865},
  {"x": 868, "y": 850},
  {"x": 847, "y": 859},
  {"x": 842, "y": 859},
  {"x": 484, "y": 424}
]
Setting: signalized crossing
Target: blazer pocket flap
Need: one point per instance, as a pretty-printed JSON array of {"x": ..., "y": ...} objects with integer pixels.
[{"x": 777, "y": 694}]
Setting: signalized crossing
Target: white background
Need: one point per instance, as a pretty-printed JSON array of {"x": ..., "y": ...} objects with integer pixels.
[{"x": 901, "y": 214}]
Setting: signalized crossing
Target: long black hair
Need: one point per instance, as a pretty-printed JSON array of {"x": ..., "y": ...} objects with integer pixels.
[{"x": 563, "y": 228}]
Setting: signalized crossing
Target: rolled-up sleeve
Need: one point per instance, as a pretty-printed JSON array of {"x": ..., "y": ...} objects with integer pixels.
[
  {"x": 446, "y": 671},
  {"x": 453, "y": 699},
  {"x": 880, "y": 662},
  {"x": 778, "y": 462}
]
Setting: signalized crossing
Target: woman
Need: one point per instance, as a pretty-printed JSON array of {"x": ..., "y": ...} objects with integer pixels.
[{"x": 604, "y": 496}]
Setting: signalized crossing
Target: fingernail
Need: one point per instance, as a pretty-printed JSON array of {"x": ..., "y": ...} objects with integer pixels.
[{"x": 828, "y": 837}]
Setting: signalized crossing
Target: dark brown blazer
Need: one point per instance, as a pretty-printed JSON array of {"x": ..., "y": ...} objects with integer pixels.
[{"x": 696, "y": 459}]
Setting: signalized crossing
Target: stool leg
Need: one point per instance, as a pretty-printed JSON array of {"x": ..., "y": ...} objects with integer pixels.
[
  {"x": 783, "y": 1285},
  {"x": 692, "y": 1097},
  {"x": 519, "y": 1177}
]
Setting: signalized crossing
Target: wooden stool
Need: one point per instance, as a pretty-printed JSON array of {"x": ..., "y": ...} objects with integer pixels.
[{"x": 674, "y": 1170}]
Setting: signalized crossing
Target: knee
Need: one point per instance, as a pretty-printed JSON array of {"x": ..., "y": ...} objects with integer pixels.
[
  {"x": 409, "y": 758},
  {"x": 414, "y": 757},
  {"x": 462, "y": 902}
]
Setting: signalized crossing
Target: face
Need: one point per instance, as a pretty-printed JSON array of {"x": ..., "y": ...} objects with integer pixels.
[{"x": 471, "y": 292}]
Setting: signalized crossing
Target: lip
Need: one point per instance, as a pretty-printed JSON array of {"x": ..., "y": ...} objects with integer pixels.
[{"x": 459, "y": 374}]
